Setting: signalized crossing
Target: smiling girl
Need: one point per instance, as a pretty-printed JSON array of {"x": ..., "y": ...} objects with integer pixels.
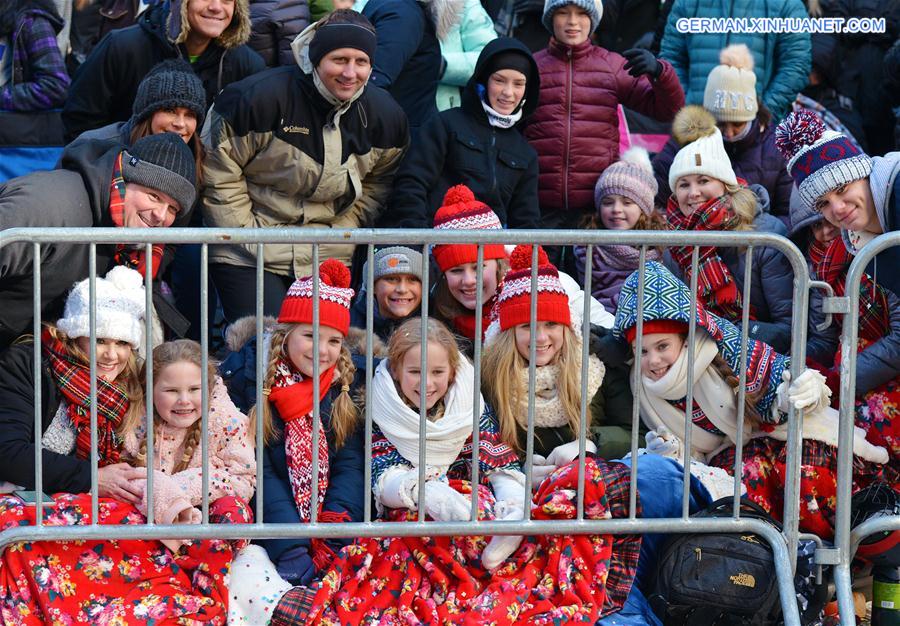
[{"x": 707, "y": 196}]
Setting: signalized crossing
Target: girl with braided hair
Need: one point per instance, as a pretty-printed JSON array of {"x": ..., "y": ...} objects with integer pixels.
[{"x": 177, "y": 454}]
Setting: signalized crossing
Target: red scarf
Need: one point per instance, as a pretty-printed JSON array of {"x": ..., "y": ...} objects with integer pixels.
[
  {"x": 292, "y": 395},
  {"x": 716, "y": 286},
  {"x": 73, "y": 380},
  {"x": 129, "y": 256},
  {"x": 830, "y": 264},
  {"x": 465, "y": 324}
]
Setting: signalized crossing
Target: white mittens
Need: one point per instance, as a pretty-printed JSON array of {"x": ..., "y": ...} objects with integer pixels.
[
  {"x": 663, "y": 443},
  {"x": 399, "y": 490},
  {"x": 509, "y": 493},
  {"x": 568, "y": 452},
  {"x": 445, "y": 504},
  {"x": 540, "y": 469},
  {"x": 809, "y": 392}
]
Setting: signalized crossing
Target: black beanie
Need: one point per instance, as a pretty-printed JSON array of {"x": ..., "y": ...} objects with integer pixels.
[
  {"x": 168, "y": 85},
  {"x": 334, "y": 35},
  {"x": 162, "y": 162},
  {"x": 507, "y": 60}
]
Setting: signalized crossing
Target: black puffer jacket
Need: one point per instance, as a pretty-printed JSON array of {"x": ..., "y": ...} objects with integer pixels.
[
  {"x": 275, "y": 24},
  {"x": 105, "y": 85},
  {"x": 458, "y": 146}
]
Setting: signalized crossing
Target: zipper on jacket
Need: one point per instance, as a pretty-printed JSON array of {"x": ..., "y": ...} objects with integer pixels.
[
  {"x": 492, "y": 162},
  {"x": 569, "y": 79}
]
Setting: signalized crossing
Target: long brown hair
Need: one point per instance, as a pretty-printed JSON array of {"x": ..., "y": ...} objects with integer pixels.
[
  {"x": 164, "y": 355},
  {"x": 344, "y": 412},
  {"x": 144, "y": 128},
  {"x": 446, "y": 307}
]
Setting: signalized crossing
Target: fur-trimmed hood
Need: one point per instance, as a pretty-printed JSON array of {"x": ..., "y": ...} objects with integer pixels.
[
  {"x": 244, "y": 329},
  {"x": 169, "y": 20}
]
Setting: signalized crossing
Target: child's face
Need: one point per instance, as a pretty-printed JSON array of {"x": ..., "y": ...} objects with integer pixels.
[
  {"x": 177, "y": 394},
  {"x": 549, "y": 342},
  {"x": 619, "y": 212},
  {"x": 571, "y": 25},
  {"x": 437, "y": 381},
  {"x": 505, "y": 90},
  {"x": 463, "y": 286},
  {"x": 850, "y": 207},
  {"x": 694, "y": 190},
  {"x": 658, "y": 352},
  {"x": 112, "y": 355},
  {"x": 824, "y": 231},
  {"x": 301, "y": 352},
  {"x": 398, "y": 295}
]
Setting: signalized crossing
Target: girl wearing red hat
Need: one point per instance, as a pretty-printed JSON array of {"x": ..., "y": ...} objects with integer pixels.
[
  {"x": 287, "y": 414},
  {"x": 457, "y": 288}
]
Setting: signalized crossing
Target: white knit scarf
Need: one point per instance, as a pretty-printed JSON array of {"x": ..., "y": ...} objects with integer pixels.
[
  {"x": 445, "y": 437},
  {"x": 548, "y": 407},
  {"x": 498, "y": 120},
  {"x": 715, "y": 397}
]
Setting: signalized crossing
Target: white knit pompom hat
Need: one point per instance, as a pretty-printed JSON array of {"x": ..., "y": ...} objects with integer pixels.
[
  {"x": 730, "y": 93},
  {"x": 120, "y": 307}
]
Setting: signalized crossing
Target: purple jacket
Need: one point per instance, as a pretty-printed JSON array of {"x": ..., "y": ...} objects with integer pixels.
[
  {"x": 754, "y": 158},
  {"x": 39, "y": 80}
]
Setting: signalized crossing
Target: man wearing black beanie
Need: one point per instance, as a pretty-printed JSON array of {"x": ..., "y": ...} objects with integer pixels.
[{"x": 305, "y": 145}]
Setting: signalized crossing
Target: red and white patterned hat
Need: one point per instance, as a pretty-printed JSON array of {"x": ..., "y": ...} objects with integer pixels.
[
  {"x": 514, "y": 301},
  {"x": 335, "y": 295},
  {"x": 461, "y": 211}
]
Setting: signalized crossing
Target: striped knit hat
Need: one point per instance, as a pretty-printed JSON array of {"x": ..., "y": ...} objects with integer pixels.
[
  {"x": 818, "y": 159},
  {"x": 514, "y": 301},
  {"x": 632, "y": 177},
  {"x": 334, "y": 298},
  {"x": 461, "y": 211}
]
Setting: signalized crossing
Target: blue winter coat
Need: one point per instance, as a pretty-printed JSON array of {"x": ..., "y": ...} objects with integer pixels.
[
  {"x": 346, "y": 489},
  {"x": 781, "y": 60}
]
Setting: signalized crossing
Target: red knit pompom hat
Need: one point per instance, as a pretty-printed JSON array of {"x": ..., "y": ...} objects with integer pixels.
[
  {"x": 514, "y": 301},
  {"x": 461, "y": 211},
  {"x": 334, "y": 298}
]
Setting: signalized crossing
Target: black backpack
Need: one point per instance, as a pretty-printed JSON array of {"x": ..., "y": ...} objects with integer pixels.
[{"x": 718, "y": 579}]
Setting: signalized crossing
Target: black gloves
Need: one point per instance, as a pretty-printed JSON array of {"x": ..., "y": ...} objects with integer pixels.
[
  {"x": 607, "y": 348},
  {"x": 642, "y": 62}
]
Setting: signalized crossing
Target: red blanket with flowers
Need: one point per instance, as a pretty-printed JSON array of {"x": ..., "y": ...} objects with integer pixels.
[
  {"x": 440, "y": 581},
  {"x": 112, "y": 583}
]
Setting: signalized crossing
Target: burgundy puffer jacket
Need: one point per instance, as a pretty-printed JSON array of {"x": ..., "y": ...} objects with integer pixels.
[{"x": 575, "y": 129}]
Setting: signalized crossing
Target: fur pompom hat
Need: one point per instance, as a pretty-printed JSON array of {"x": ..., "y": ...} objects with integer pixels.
[
  {"x": 730, "y": 93},
  {"x": 632, "y": 177},
  {"x": 819, "y": 160},
  {"x": 335, "y": 295},
  {"x": 703, "y": 150}
]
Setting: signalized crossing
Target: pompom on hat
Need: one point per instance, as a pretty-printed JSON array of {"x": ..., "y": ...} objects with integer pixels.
[
  {"x": 514, "y": 300},
  {"x": 632, "y": 177},
  {"x": 819, "y": 160},
  {"x": 335, "y": 295},
  {"x": 461, "y": 211},
  {"x": 730, "y": 93},
  {"x": 704, "y": 152},
  {"x": 120, "y": 307}
]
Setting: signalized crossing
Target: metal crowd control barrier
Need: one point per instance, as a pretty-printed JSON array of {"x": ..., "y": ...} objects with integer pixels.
[
  {"x": 847, "y": 540},
  {"x": 784, "y": 544}
]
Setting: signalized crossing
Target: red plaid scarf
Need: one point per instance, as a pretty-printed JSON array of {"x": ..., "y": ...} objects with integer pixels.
[
  {"x": 292, "y": 395},
  {"x": 73, "y": 380},
  {"x": 716, "y": 286},
  {"x": 133, "y": 257},
  {"x": 830, "y": 263}
]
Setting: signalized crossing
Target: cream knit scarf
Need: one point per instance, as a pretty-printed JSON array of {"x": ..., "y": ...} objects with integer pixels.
[{"x": 548, "y": 407}]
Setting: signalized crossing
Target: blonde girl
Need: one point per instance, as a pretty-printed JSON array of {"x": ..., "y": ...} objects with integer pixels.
[
  {"x": 287, "y": 415},
  {"x": 557, "y": 366},
  {"x": 177, "y": 453},
  {"x": 708, "y": 196}
]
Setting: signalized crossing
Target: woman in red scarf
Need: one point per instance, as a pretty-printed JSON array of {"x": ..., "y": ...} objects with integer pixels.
[
  {"x": 455, "y": 295},
  {"x": 287, "y": 414},
  {"x": 707, "y": 196}
]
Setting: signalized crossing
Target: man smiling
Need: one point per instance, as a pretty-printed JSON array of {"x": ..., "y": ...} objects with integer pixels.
[
  {"x": 149, "y": 185},
  {"x": 854, "y": 192},
  {"x": 339, "y": 139}
]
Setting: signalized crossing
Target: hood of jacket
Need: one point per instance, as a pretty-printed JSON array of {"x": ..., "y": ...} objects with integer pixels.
[
  {"x": 471, "y": 102},
  {"x": 168, "y": 22},
  {"x": 14, "y": 10}
]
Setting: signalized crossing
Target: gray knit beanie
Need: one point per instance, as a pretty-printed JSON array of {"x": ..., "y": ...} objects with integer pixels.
[
  {"x": 397, "y": 260},
  {"x": 631, "y": 177},
  {"x": 162, "y": 162},
  {"x": 168, "y": 85},
  {"x": 594, "y": 9}
]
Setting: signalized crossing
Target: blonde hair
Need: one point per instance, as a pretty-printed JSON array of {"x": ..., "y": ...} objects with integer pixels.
[
  {"x": 344, "y": 412},
  {"x": 446, "y": 307},
  {"x": 743, "y": 203},
  {"x": 164, "y": 355},
  {"x": 408, "y": 336},
  {"x": 128, "y": 380},
  {"x": 507, "y": 395}
]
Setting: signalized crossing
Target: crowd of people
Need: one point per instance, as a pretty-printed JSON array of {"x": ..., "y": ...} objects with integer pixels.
[{"x": 416, "y": 114}]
